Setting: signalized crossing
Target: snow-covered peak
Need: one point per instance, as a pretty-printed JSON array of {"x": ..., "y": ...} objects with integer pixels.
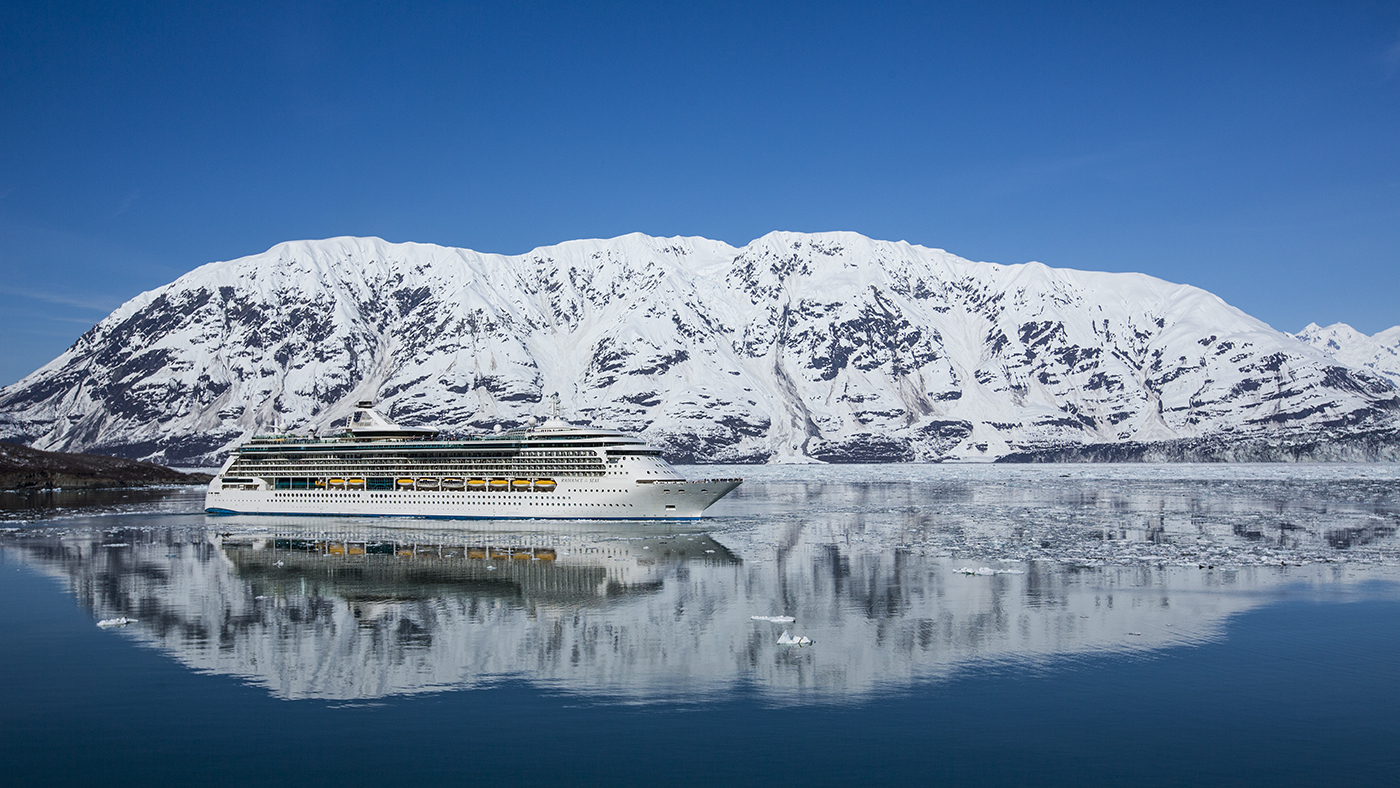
[{"x": 1379, "y": 353}]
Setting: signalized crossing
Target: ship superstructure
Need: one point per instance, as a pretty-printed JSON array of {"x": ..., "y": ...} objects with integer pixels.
[{"x": 376, "y": 467}]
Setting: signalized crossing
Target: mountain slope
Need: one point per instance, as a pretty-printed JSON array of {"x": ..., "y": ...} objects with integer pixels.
[{"x": 828, "y": 346}]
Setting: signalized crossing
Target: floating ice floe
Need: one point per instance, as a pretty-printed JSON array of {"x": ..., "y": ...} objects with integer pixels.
[
  {"x": 985, "y": 571},
  {"x": 774, "y": 619},
  {"x": 121, "y": 621},
  {"x": 787, "y": 639}
]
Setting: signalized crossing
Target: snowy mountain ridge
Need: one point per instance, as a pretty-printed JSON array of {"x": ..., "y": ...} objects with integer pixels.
[
  {"x": 1379, "y": 353},
  {"x": 796, "y": 347}
]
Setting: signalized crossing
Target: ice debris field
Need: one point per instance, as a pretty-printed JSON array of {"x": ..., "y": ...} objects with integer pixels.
[{"x": 992, "y": 520}]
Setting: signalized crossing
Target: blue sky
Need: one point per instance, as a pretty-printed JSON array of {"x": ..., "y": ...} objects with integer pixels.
[{"x": 1252, "y": 149}]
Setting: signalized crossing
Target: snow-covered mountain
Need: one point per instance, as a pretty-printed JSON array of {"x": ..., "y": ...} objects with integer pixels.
[
  {"x": 827, "y": 346},
  {"x": 1379, "y": 353}
]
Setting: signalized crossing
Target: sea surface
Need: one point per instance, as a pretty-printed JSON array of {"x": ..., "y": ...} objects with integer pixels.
[{"x": 1077, "y": 625}]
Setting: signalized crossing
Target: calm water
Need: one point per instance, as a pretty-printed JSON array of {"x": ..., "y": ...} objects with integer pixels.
[{"x": 1090, "y": 625}]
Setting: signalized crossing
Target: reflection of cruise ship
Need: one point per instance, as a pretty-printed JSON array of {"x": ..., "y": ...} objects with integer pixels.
[
  {"x": 544, "y": 567},
  {"x": 376, "y": 467}
]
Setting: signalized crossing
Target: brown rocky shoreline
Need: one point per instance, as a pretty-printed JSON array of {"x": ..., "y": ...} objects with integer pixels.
[{"x": 23, "y": 468}]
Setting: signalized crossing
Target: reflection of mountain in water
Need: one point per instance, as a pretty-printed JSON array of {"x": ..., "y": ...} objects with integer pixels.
[{"x": 363, "y": 613}]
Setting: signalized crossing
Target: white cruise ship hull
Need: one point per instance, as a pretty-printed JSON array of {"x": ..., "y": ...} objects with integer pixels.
[{"x": 643, "y": 500}]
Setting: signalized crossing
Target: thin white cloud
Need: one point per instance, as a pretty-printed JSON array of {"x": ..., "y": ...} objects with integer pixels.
[
  {"x": 93, "y": 303},
  {"x": 128, "y": 202},
  {"x": 67, "y": 336},
  {"x": 1391, "y": 59},
  {"x": 1127, "y": 161}
]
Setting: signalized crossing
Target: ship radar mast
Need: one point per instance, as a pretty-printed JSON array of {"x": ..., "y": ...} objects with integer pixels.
[{"x": 554, "y": 419}]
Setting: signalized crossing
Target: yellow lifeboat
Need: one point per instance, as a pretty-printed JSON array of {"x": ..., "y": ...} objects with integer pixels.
[
  {"x": 499, "y": 484},
  {"x": 476, "y": 484},
  {"x": 520, "y": 485},
  {"x": 337, "y": 484},
  {"x": 404, "y": 483},
  {"x": 545, "y": 485},
  {"x": 355, "y": 484}
]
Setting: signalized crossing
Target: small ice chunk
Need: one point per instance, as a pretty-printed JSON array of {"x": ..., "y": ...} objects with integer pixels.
[
  {"x": 120, "y": 621},
  {"x": 987, "y": 571},
  {"x": 787, "y": 639},
  {"x": 774, "y": 619}
]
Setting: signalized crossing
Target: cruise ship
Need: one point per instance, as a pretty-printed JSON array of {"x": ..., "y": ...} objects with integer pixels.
[{"x": 374, "y": 467}]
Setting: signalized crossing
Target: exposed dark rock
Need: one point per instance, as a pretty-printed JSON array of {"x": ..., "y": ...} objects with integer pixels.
[
  {"x": 23, "y": 468},
  {"x": 1373, "y": 446},
  {"x": 862, "y": 448}
]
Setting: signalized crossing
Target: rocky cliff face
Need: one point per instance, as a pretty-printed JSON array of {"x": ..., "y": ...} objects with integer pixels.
[
  {"x": 828, "y": 346},
  {"x": 23, "y": 468}
]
